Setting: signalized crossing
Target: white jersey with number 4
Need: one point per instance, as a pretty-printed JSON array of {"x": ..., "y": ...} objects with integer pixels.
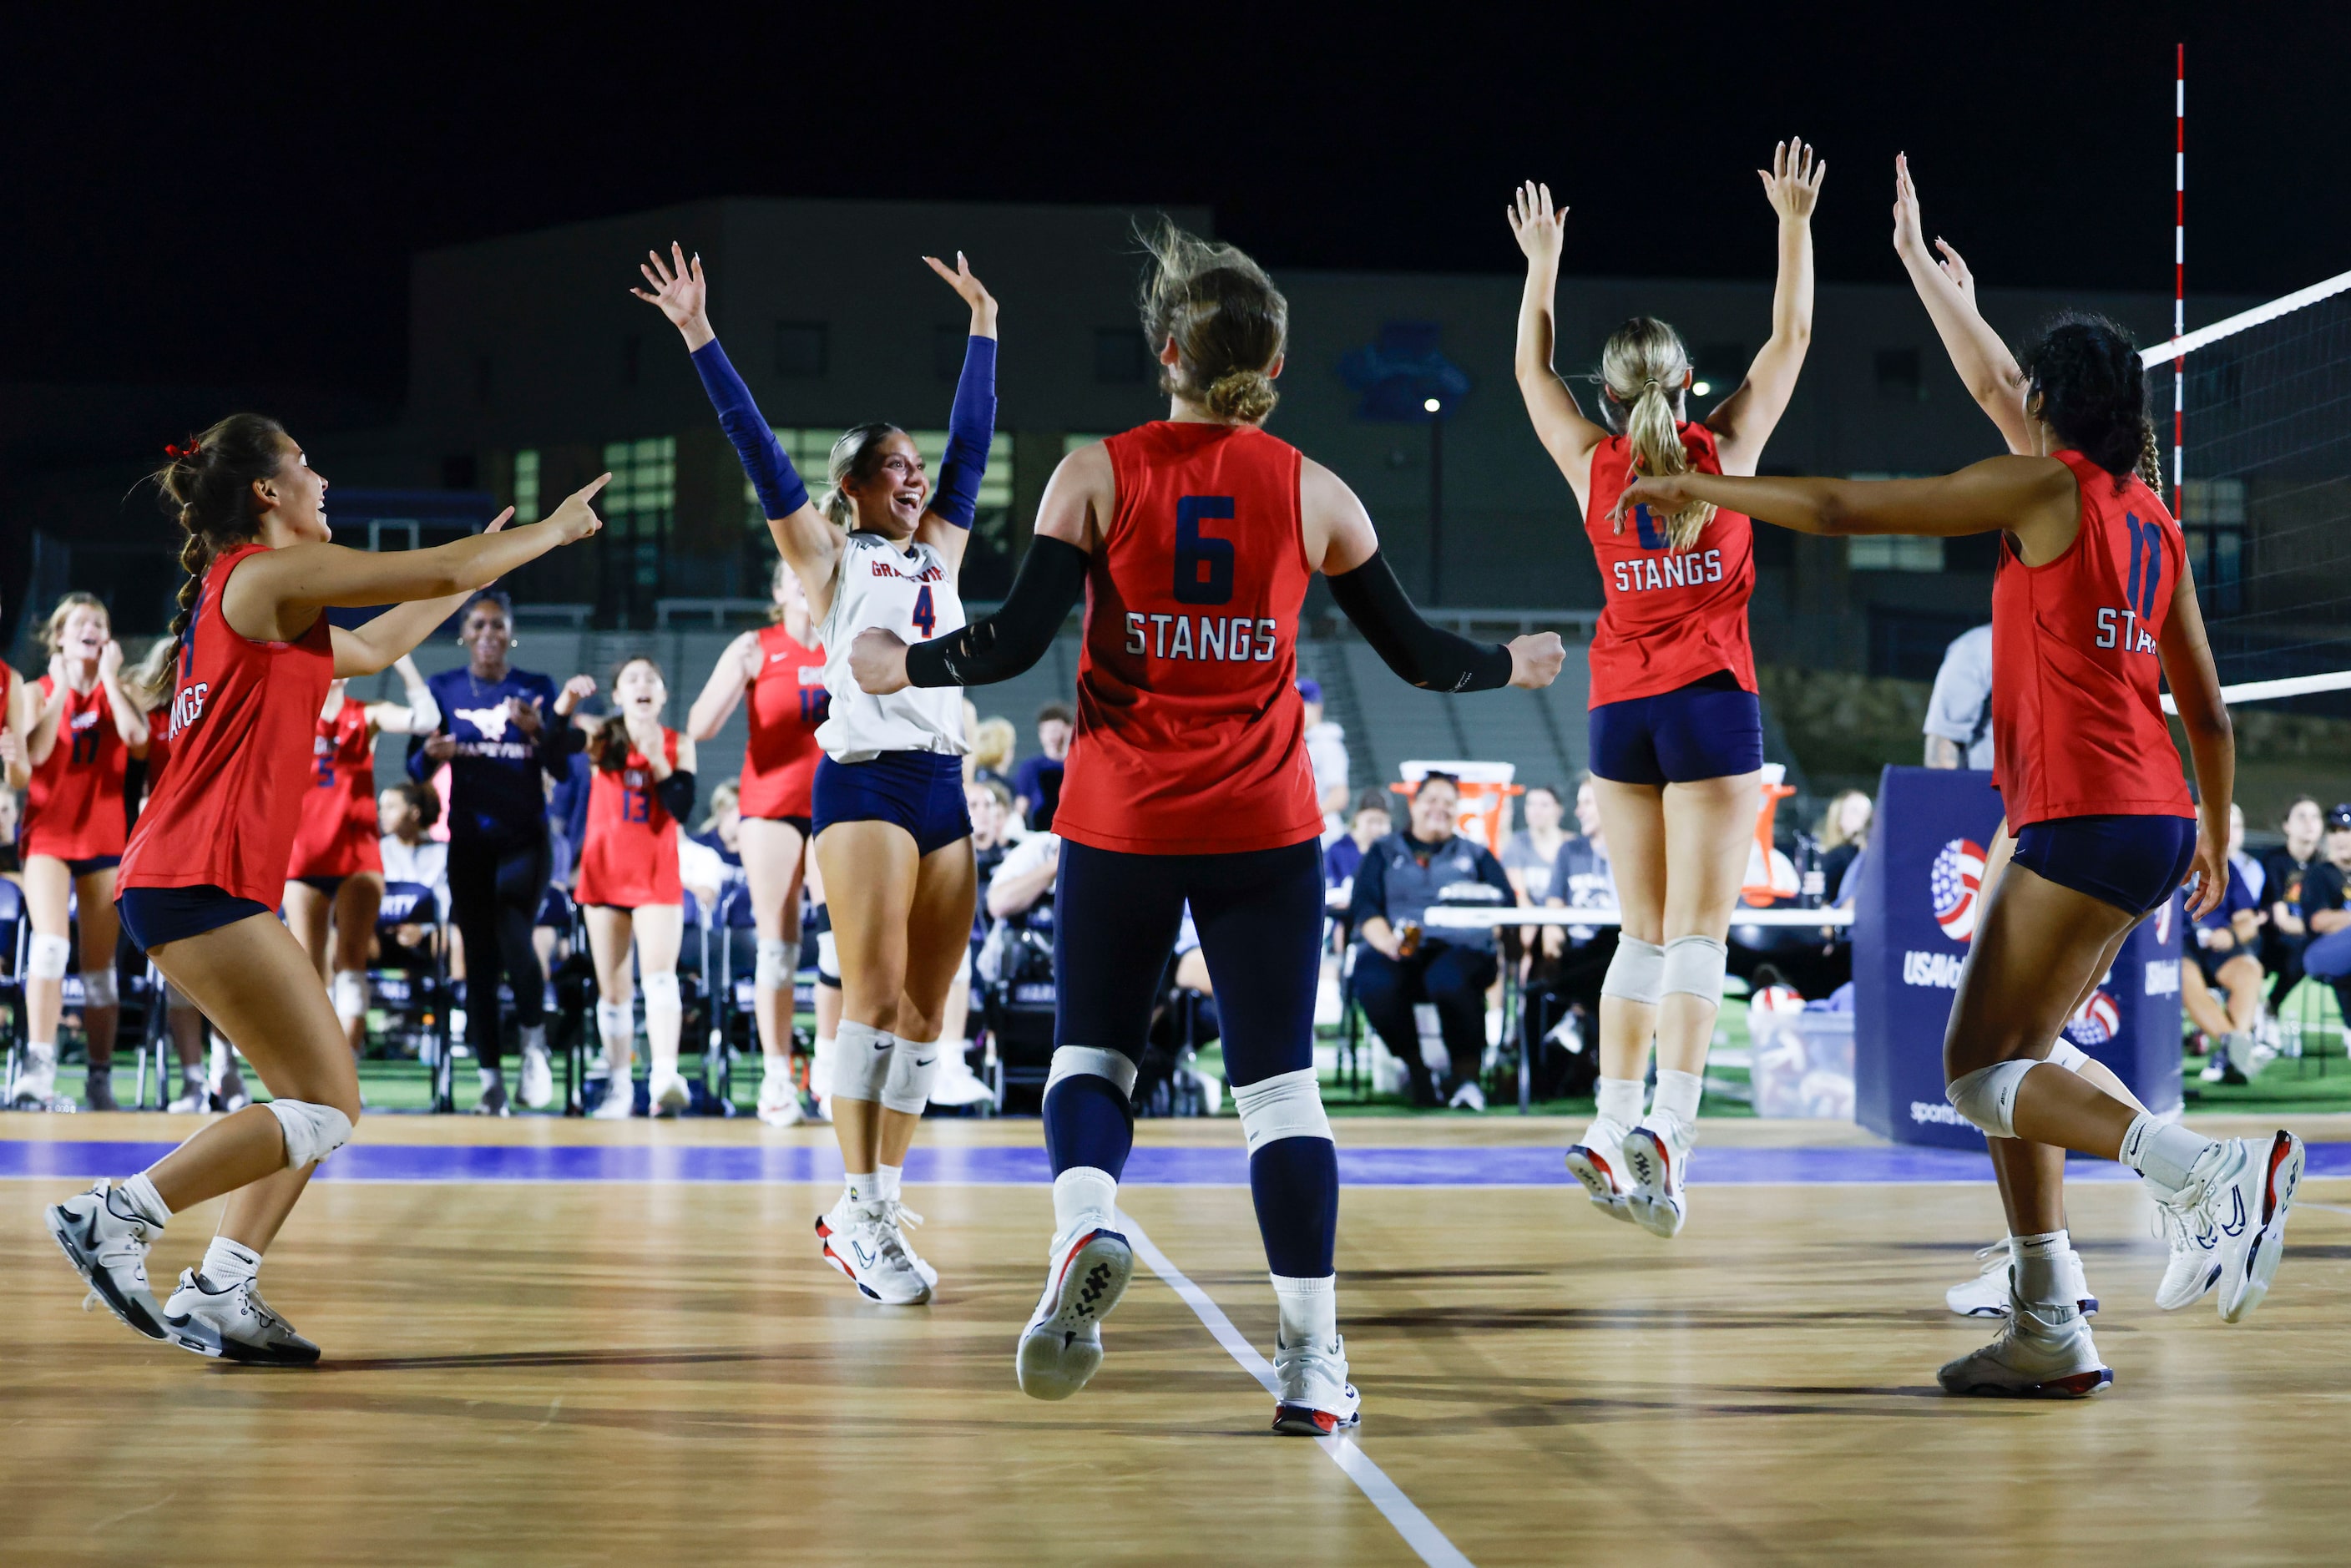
[{"x": 910, "y": 590}]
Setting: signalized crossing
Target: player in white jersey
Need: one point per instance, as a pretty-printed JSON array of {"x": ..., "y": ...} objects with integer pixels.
[{"x": 893, "y": 838}]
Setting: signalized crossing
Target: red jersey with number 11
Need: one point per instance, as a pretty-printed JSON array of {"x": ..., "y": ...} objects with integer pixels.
[{"x": 1191, "y": 737}]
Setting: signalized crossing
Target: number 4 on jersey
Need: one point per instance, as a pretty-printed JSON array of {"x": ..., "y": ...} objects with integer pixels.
[{"x": 924, "y": 617}]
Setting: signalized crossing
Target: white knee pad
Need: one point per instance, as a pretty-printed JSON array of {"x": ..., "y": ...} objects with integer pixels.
[
  {"x": 1287, "y": 1105},
  {"x": 1637, "y": 972},
  {"x": 774, "y": 967},
  {"x": 312, "y": 1132},
  {"x": 2064, "y": 1053},
  {"x": 1987, "y": 1097},
  {"x": 349, "y": 991},
  {"x": 861, "y": 1061},
  {"x": 661, "y": 995},
  {"x": 1693, "y": 967},
  {"x": 1085, "y": 1061},
  {"x": 913, "y": 1068},
  {"x": 98, "y": 988},
  {"x": 48, "y": 958},
  {"x": 828, "y": 959}
]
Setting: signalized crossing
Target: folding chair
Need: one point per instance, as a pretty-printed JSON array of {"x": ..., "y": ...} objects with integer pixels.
[
  {"x": 732, "y": 998},
  {"x": 420, "y": 999},
  {"x": 1018, "y": 1008},
  {"x": 15, "y": 937}
]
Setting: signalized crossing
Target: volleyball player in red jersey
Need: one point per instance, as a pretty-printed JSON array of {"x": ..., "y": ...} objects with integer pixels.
[
  {"x": 336, "y": 868},
  {"x": 782, "y": 666},
  {"x": 1192, "y": 539},
  {"x": 207, "y": 861},
  {"x": 86, "y": 729},
  {"x": 641, "y": 787},
  {"x": 1676, "y": 728},
  {"x": 2092, "y": 608}
]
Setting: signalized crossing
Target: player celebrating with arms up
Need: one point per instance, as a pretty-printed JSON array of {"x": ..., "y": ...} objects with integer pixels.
[
  {"x": 1677, "y": 727},
  {"x": 892, "y": 836},
  {"x": 206, "y": 865},
  {"x": 1193, "y": 539},
  {"x": 2092, "y": 607}
]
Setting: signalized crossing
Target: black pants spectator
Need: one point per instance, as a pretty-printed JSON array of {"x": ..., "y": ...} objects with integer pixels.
[
  {"x": 1451, "y": 977},
  {"x": 494, "y": 897},
  {"x": 1557, "y": 985}
]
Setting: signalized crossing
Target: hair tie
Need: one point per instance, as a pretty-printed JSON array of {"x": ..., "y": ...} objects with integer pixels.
[
  {"x": 1650, "y": 383},
  {"x": 187, "y": 453}
]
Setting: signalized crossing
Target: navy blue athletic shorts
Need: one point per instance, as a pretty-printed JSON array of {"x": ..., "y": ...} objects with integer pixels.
[
  {"x": 82, "y": 868},
  {"x": 1711, "y": 728},
  {"x": 154, "y": 915},
  {"x": 2131, "y": 863},
  {"x": 1259, "y": 916},
  {"x": 922, "y": 791}
]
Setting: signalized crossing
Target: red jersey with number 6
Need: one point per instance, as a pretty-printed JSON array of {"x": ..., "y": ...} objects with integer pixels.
[
  {"x": 628, "y": 856},
  {"x": 787, "y": 701},
  {"x": 338, "y": 832},
  {"x": 1191, "y": 737},
  {"x": 1667, "y": 617},
  {"x": 2076, "y": 709},
  {"x": 242, "y": 715},
  {"x": 73, "y": 807}
]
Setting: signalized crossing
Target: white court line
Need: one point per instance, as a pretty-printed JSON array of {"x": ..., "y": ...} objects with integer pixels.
[
  {"x": 2330, "y": 1208},
  {"x": 1418, "y": 1531}
]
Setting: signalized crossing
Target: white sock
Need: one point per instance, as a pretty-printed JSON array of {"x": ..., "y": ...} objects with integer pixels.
[
  {"x": 534, "y": 1039},
  {"x": 821, "y": 1067},
  {"x": 223, "y": 1061},
  {"x": 2163, "y": 1152},
  {"x": 2035, "y": 1259},
  {"x": 863, "y": 1186},
  {"x": 44, "y": 1053},
  {"x": 886, "y": 1178},
  {"x": 1677, "y": 1094},
  {"x": 1082, "y": 1189},
  {"x": 1620, "y": 1101},
  {"x": 143, "y": 1199},
  {"x": 1310, "y": 1309},
  {"x": 229, "y": 1263},
  {"x": 616, "y": 1025}
]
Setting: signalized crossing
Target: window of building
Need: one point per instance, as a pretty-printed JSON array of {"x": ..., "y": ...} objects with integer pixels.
[
  {"x": 642, "y": 497},
  {"x": 800, "y": 348},
  {"x": 1119, "y": 358},
  {"x": 1077, "y": 438},
  {"x": 2212, "y": 520},
  {"x": 1898, "y": 379},
  {"x": 525, "y": 486},
  {"x": 1894, "y": 552}
]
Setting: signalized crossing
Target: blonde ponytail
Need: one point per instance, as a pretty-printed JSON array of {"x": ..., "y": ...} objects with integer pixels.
[
  {"x": 1243, "y": 396},
  {"x": 1643, "y": 367}
]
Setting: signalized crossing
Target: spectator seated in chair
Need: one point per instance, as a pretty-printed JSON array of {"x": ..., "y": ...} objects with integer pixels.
[
  {"x": 2326, "y": 910},
  {"x": 1037, "y": 782},
  {"x": 1571, "y": 961},
  {"x": 2220, "y": 986},
  {"x": 1400, "y": 963},
  {"x": 2283, "y": 870}
]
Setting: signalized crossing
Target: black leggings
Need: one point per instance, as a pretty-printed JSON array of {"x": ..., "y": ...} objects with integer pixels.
[
  {"x": 494, "y": 897},
  {"x": 1454, "y": 978}
]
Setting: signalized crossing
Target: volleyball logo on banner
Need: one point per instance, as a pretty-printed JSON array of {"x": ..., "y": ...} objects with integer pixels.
[
  {"x": 2095, "y": 1021},
  {"x": 1955, "y": 883}
]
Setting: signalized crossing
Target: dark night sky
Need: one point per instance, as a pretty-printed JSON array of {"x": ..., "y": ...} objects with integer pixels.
[{"x": 203, "y": 197}]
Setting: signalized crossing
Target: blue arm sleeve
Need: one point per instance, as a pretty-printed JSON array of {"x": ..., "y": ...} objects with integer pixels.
[
  {"x": 1371, "y": 894},
  {"x": 772, "y": 475},
  {"x": 971, "y": 424}
]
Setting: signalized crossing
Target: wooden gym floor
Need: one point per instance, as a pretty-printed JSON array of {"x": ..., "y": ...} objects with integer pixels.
[{"x": 621, "y": 1366}]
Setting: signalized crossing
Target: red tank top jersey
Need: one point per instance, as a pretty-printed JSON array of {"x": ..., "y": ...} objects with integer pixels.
[
  {"x": 338, "y": 832},
  {"x": 73, "y": 806},
  {"x": 1666, "y": 618},
  {"x": 628, "y": 856},
  {"x": 787, "y": 702},
  {"x": 1190, "y": 736},
  {"x": 242, "y": 715},
  {"x": 2076, "y": 719}
]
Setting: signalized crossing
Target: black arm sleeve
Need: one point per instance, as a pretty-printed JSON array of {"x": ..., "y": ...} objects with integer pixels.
[
  {"x": 1051, "y": 577},
  {"x": 1426, "y": 655},
  {"x": 676, "y": 794}
]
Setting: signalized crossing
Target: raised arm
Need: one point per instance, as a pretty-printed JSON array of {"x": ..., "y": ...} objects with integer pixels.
[
  {"x": 1559, "y": 420},
  {"x": 971, "y": 422},
  {"x": 420, "y": 714},
  {"x": 427, "y": 586},
  {"x": 1948, "y": 291},
  {"x": 725, "y": 687},
  {"x": 807, "y": 539},
  {"x": 1744, "y": 421},
  {"x": 130, "y": 717},
  {"x": 2033, "y": 498},
  {"x": 2211, "y": 737}
]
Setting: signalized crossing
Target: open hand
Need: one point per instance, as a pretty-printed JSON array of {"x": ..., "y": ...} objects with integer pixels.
[
  {"x": 972, "y": 292},
  {"x": 109, "y": 659},
  {"x": 1538, "y": 229},
  {"x": 1794, "y": 182},
  {"x": 575, "y": 519},
  {"x": 576, "y": 690},
  {"x": 679, "y": 293},
  {"x": 878, "y": 660},
  {"x": 1535, "y": 660}
]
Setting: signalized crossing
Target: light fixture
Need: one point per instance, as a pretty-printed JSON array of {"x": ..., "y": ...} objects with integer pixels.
[
  {"x": 1432, "y": 405},
  {"x": 1702, "y": 387}
]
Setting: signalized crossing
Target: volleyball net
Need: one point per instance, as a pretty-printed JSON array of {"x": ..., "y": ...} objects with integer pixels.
[{"x": 2263, "y": 492}]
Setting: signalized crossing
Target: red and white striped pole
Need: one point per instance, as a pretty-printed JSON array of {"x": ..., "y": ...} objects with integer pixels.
[{"x": 2178, "y": 276}]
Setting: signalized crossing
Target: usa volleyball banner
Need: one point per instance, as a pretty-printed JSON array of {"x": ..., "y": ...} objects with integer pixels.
[{"x": 1917, "y": 909}]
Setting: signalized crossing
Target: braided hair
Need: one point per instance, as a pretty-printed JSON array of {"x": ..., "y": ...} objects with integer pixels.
[{"x": 207, "y": 486}]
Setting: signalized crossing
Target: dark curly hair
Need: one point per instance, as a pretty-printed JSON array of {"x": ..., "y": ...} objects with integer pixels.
[
  {"x": 208, "y": 486},
  {"x": 2092, "y": 390}
]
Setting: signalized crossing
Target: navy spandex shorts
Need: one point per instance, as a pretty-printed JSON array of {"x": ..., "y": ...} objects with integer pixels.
[
  {"x": 1711, "y": 728},
  {"x": 2131, "y": 863}
]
